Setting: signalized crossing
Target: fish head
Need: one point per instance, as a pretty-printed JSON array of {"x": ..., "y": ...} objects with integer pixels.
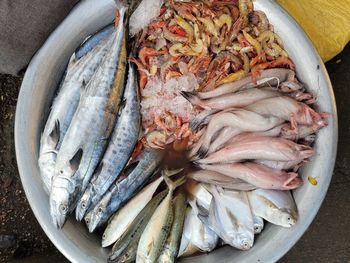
[
  {"x": 96, "y": 217},
  {"x": 59, "y": 204},
  {"x": 287, "y": 218},
  {"x": 83, "y": 205},
  {"x": 242, "y": 241},
  {"x": 64, "y": 192}
]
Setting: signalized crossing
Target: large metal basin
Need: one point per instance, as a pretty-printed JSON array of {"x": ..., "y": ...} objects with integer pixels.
[{"x": 37, "y": 91}]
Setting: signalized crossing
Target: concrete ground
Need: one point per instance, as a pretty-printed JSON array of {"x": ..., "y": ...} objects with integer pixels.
[{"x": 327, "y": 239}]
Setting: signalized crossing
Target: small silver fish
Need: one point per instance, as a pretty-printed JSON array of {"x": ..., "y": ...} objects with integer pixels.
[
  {"x": 126, "y": 246},
  {"x": 277, "y": 207},
  {"x": 156, "y": 232},
  {"x": 171, "y": 247}
]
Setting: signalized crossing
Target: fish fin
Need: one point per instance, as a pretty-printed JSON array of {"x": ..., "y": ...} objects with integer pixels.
[
  {"x": 194, "y": 100},
  {"x": 150, "y": 247},
  {"x": 169, "y": 173},
  {"x": 76, "y": 159},
  {"x": 55, "y": 134},
  {"x": 99, "y": 169},
  {"x": 122, "y": 106},
  {"x": 202, "y": 152}
]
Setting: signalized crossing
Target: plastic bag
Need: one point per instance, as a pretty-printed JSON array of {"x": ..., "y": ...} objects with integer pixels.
[{"x": 327, "y": 23}]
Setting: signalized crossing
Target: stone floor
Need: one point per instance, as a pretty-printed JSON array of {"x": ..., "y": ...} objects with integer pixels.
[{"x": 327, "y": 239}]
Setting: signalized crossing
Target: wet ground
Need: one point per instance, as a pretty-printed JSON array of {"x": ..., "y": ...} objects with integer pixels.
[{"x": 327, "y": 239}]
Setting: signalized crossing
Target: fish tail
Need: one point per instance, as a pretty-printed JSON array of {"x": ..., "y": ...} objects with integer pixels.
[
  {"x": 174, "y": 184},
  {"x": 192, "y": 98}
]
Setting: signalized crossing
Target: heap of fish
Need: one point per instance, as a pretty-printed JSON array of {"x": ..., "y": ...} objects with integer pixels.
[{"x": 255, "y": 134}]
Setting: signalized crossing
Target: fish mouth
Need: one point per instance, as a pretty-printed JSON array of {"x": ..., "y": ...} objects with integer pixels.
[
  {"x": 58, "y": 220},
  {"x": 92, "y": 223}
]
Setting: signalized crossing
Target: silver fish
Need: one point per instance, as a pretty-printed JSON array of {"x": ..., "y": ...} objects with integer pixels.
[
  {"x": 258, "y": 224},
  {"x": 91, "y": 41},
  {"x": 231, "y": 219},
  {"x": 88, "y": 133},
  {"x": 119, "y": 150},
  {"x": 123, "y": 190},
  {"x": 277, "y": 207},
  {"x": 125, "y": 247},
  {"x": 157, "y": 230},
  {"x": 196, "y": 233},
  {"x": 79, "y": 73},
  {"x": 171, "y": 247}
]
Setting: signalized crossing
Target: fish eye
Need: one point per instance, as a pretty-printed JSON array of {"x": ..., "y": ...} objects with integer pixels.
[
  {"x": 63, "y": 209},
  {"x": 87, "y": 221},
  {"x": 83, "y": 204},
  {"x": 104, "y": 236},
  {"x": 99, "y": 210},
  {"x": 288, "y": 218},
  {"x": 61, "y": 171}
]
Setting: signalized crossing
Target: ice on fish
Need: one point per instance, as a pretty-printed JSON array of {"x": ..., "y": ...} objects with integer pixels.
[{"x": 144, "y": 14}]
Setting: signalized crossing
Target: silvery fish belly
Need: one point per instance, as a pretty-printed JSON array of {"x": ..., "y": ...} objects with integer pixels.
[
  {"x": 79, "y": 73},
  {"x": 86, "y": 137},
  {"x": 119, "y": 150}
]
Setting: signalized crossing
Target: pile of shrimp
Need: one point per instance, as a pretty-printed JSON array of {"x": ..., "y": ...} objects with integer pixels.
[{"x": 203, "y": 44}]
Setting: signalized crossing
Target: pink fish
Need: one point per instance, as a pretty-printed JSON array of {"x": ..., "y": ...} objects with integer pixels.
[
  {"x": 257, "y": 174},
  {"x": 260, "y": 147}
]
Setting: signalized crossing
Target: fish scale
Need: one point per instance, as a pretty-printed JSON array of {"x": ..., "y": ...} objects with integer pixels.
[
  {"x": 119, "y": 150},
  {"x": 88, "y": 134}
]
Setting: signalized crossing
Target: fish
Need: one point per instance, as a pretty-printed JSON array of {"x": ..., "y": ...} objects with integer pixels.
[
  {"x": 277, "y": 207},
  {"x": 238, "y": 99},
  {"x": 157, "y": 230},
  {"x": 91, "y": 41},
  {"x": 202, "y": 119},
  {"x": 242, "y": 120},
  {"x": 196, "y": 233},
  {"x": 270, "y": 76},
  {"x": 171, "y": 247},
  {"x": 260, "y": 147},
  {"x": 215, "y": 178},
  {"x": 256, "y": 174},
  {"x": 291, "y": 110},
  {"x": 78, "y": 74},
  {"x": 258, "y": 224},
  {"x": 124, "y": 217},
  {"x": 124, "y": 249},
  {"x": 282, "y": 165},
  {"x": 119, "y": 150},
  {"x": 199, "y": 192},
  {"x": 230, "y": 218},
  {"x": 91, "y": 126},
  {"x": 137, "y": 175}
]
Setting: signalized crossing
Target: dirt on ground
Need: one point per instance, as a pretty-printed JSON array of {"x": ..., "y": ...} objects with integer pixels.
[{"x": 20, "y": 234}]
